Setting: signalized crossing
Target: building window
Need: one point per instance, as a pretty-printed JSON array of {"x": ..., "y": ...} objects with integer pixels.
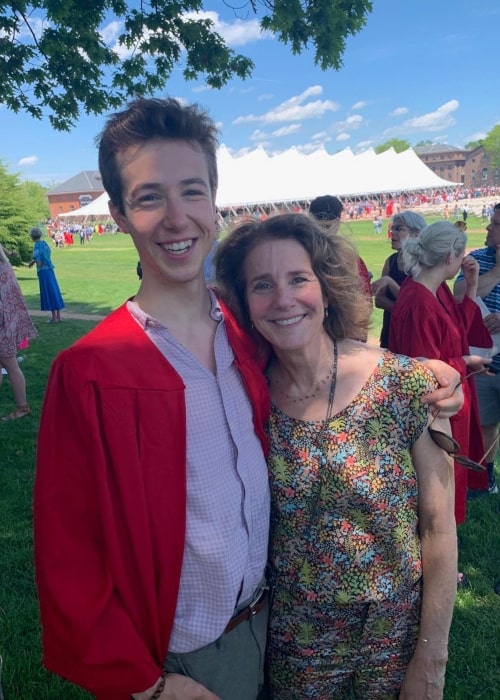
[
  {"x": 473, "y": 175},
  {"x": 484, "y": 173},
  {"x": 497, "y": 174}
]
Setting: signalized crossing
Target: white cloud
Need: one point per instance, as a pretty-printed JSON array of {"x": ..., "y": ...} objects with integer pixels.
[
  {"x": 237, "y": 33},
  {"x": 28, "y": 160},
  {"x": 434, "y": 121},
  {"x": 287, "y": 130},
  {"x": 363, "y": 145},
  {"x": 258, "y": 135},
  {"x": 398, "y": 112},
  {"x": 320, "y": 136},
  {"x": 265, "y": 96},
  {"x": 476, "y": 136},
  {"x": 201, "y": 88},
  {"x": 36, "y": 26},
  {"x": 294, "y": 109},
  {"x": 355, "y": 121},
  {"x": 343, "y": 137},
  {"x": 111, "y": 31},
  {"x": 359, "y": 105}
]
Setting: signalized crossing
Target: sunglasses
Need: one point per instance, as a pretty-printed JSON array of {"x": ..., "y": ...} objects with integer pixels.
[
  {"x": 398, "y": 228},
  {"x": 448, "y": 443}
]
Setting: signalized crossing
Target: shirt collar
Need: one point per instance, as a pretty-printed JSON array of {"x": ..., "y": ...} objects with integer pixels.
[{"x": 146, "y": 321}]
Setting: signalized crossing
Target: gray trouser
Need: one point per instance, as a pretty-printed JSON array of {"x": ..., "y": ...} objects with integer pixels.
[{"x": 232, "y": 667}]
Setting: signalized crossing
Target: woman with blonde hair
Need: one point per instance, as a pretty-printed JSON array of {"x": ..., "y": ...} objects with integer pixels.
[
  {"x": 16, "y": 328},
  {"x": 427, "y": 321}
]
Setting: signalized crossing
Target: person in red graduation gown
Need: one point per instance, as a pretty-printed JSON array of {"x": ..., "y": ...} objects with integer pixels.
[{"x": 428, "y": 322}]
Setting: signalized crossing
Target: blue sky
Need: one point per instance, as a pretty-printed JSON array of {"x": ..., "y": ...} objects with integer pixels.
[{"x": 420, "y": 69}]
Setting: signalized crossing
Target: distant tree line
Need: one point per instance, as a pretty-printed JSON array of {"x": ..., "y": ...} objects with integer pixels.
[{"x": 22, "y": 205}]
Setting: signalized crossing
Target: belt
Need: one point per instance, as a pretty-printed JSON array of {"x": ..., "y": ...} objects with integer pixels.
[{"x": 255, "y": 607}]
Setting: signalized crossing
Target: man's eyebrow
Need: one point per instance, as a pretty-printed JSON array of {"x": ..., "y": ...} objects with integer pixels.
[{"x": 147, "y": 186}]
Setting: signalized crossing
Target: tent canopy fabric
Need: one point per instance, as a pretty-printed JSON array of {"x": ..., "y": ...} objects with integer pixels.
[
  {"x": 98, "y": 208},
  {"x": 293, "y": 176},
  {"x": 257, "y": 178}
]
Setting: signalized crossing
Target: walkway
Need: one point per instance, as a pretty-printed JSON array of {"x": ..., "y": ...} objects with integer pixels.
[{"x": 65, "y": 314}]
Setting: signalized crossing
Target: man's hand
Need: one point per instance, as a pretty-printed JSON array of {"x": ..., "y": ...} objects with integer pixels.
[
  {"x": 178, "y": 687},
  {"x": 470, "y": 270},
  {"x": 476, "y": 363},
  {"x": 383, "y": 284},
  {"x": 492, "y": 321}
]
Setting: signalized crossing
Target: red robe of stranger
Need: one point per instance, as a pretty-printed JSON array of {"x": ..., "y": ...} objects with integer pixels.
[{"x": 440, "y": 328}]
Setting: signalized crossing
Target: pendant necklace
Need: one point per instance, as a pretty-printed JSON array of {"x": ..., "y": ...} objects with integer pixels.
[
  {"x": 316, "y": 497},
  {"x": 331, "y": 394}
]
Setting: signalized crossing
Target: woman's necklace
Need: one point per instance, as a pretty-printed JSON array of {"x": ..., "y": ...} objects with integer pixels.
[
  {"x": 330, "y": 377},
  {"x": 331, "y": 395}
]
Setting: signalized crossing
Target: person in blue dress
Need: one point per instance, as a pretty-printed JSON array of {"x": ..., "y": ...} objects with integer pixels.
[{"x": 50, "y": 294}]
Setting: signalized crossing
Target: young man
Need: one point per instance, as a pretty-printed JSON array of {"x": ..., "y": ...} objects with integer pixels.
[
  {"x": 488, "y": 385},
  {"x": 151, "y": 496}
]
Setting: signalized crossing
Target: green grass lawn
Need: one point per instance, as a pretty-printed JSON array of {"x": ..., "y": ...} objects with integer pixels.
[{"x": 96, "y": 279}]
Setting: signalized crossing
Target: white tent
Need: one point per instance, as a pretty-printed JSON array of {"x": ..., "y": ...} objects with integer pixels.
[
  {"x": 257, "y": 178},
  {"x": 97, "y": 208}
]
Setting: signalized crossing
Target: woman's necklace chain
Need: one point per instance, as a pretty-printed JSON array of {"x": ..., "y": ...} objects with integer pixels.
[
  {"x": 330, "y": 377},
  {"x": 331, "y": 394}
]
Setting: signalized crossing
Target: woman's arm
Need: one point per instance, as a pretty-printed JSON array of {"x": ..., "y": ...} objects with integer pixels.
[
  {"x": 381, "y": 286},
  {"x": 424, "y": 679},
  {"x": 380, "y": 289}
]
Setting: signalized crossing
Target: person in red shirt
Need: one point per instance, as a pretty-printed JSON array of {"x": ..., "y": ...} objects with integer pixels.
[
  {"x": 427, "y": 321},
  {"x": 151, "y": 504}
]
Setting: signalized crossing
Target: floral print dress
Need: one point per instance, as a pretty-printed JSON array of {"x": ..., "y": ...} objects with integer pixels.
[
  {"x": 344, "y": 526},
  {"x": 16, "y": 326}
]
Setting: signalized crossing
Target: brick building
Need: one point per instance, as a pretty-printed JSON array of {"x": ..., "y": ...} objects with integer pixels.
[
  {"x": 446, "y": 161},
  {"x": 471, "y": 168},
  {"x": 75, "y": 193},
  {"x": 478, "y": 171}
]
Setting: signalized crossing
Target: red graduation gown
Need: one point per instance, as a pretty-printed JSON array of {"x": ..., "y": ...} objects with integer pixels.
[{"x": 425, "y": 326}]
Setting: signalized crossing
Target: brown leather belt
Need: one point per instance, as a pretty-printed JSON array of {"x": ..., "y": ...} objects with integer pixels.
[{"x": 249, "y": 611}]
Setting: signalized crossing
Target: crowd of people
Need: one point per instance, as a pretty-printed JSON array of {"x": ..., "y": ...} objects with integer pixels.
[{"x": 246, "y": 500}]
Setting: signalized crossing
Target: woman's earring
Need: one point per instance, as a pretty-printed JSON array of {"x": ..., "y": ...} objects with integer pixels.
[{"x": 326, "y": 311}]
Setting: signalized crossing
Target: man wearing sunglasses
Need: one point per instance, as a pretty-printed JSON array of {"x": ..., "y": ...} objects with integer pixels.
[{"x": 488, "y": 385}]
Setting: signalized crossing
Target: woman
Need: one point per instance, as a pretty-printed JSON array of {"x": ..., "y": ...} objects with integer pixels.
[
  {"x": 386, "y": 289},
  {"x": 427, "y": 321},
  {"x": 16, "y": 328},
  {"x": 50, "y": 294},
  {"x": 353, "y": 470}
]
